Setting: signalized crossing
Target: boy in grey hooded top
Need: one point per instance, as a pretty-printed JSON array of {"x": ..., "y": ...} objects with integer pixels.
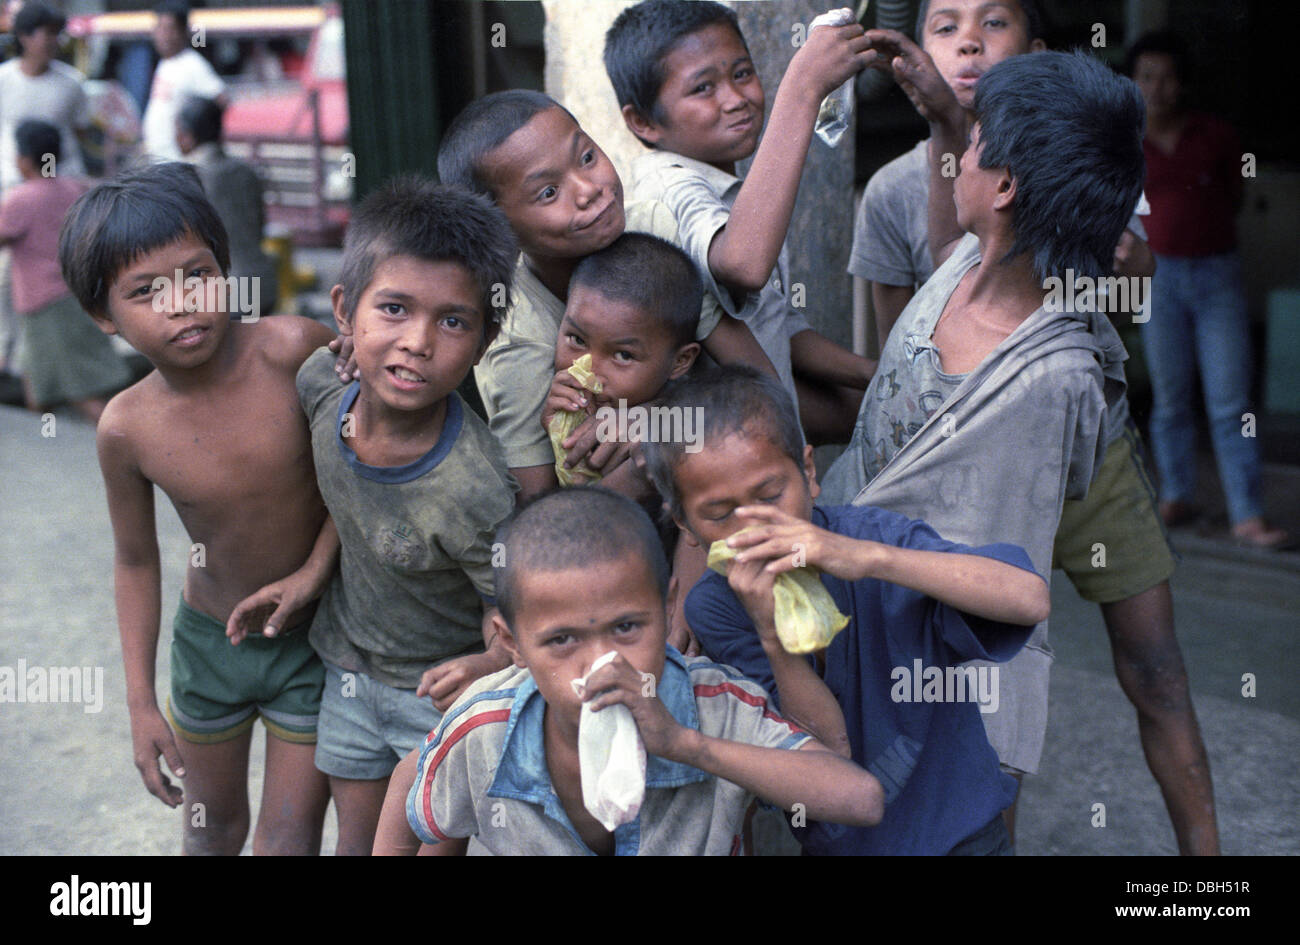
[{"x": 989, "y": 407}]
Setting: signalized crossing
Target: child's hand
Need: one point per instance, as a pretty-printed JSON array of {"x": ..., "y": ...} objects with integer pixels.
[
  {"x": 752, "y": 585},
  {"x": 151, "y": 736},
  {"x": 618, "y": 681},
  {"x": 445, "y": 682},
  {"x": 346, "y": 365},
  {"x": 918, "y": 77},
  {"x": 585, "y": 444},
  {"x": 565, "y": 394},
  {"x": 781, "y": 542},
  {"x": 830, "y": 56},
  {"x": 266, "y": 610}
]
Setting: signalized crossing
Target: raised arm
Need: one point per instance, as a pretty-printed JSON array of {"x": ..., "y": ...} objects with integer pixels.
[
  {"x": 917, "y": 75},
  {"x": 744, "y": 252},
  {"x": 973, "y": 584}
]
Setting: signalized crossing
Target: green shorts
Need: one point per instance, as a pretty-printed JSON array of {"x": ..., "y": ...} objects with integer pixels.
[
  {"x": 218, "y": 689},
  {"x": 1112, "y": 544}
]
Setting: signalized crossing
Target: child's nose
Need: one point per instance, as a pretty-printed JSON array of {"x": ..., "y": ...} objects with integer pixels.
[{"x": 418, "y": 337}]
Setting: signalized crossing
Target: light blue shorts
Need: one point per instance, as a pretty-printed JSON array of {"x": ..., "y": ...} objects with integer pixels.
[{"x": 366, "y": 727}]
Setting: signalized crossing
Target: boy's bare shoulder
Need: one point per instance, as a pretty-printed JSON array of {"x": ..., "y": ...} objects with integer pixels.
[
  {"x": 119, "y": 423},
  {"x": 287, "y": 340}
]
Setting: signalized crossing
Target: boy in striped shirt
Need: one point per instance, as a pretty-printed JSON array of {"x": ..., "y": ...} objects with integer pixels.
[{"x": 501, "y": 774}]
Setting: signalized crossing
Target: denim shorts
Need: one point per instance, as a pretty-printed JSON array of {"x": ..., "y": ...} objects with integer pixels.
[{"x": 366, "y": 727}]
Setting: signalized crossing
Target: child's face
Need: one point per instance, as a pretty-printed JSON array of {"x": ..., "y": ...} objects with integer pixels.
[
  {"x": 630, "y": 352},
  {"x": 711, "y": 100},
  {"x": 417, "y": 331},
  {"x": 744, "y": 468},
  {"x": 562, "y": 196},
  {"x": 976, "y": 189},
  {"x": 169, "y": 324},
  {"x": 967, "y": 38},
  {"x": 1156, "y": 76},
  {"x": 568, "y": 619}
]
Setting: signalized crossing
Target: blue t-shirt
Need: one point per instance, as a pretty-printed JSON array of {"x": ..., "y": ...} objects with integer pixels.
[{"x": 912, "y": 721}]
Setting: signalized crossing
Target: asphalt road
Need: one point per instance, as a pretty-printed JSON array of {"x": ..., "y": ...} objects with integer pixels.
[{"x": 68, "y": 786}]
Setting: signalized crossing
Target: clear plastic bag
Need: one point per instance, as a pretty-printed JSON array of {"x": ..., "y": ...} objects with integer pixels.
[{"x": 836, "y": 112}]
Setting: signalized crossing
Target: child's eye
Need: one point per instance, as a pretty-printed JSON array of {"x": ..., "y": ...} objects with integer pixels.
[
  {"x": 773, "y": 498},
  {"x": 742, "y": 74},
  {"x": 996, "y": 23},
  {"x": 628, "y": 626},
  {"x": 200, "y": 273},
  {"x": 454, "y": 321},
  {"x": 394, "y": 309},
  {"x": 141, "y": 291},
  {"x": 719, "y": 518},
  {"x": 548, "y": 193},
  {"x": 560, "y": 639},
  {"x": 624, "y": 357},
  {"x": 702, "y": 87},
  {"x": 589, "y": 157},
  {"x": 575, "y": 340}
]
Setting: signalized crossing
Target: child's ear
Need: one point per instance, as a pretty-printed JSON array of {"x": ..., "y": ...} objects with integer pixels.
[
  {"x": 1005, "y": 198},
  {"x": 686, "y": 534},
  {"x": 683, "y": 359},
  {"x": 342, "y": 317},
  {"x": 810, "y": 472},
  {"x": 639, "y": 125},
  {"x": 104, "y": 323},
  {"x": 508, "y": 639},
  {"x": 1037, "y": 46}
]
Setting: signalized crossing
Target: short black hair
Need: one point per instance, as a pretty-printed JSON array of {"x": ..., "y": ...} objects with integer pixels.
[
  {"x": 581, "y": 527},
  {"x": 36, "y": 138},
  {"x": 480, "y": 129},
  {"x": 33, "y": 15},
  {"x": 1033, "y": 15},
  {"x": 178, "y": 10},
  {"x": 112, "y": 225},
  {"x": 413, "y": 216},
  {"x": 201, "y": 117},
  {"x": 650, "y": 273},
  {"x": 641, "y": 38},
  {"x": 733, "y": 399},
  {"x": 1164, "y": 42},
  {"x": 1070, "y": 132}
]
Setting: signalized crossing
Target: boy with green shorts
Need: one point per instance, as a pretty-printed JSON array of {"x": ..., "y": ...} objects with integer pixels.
[
  {"x": 1110, "y": 543},
  {"x": 218, "y": 428}
]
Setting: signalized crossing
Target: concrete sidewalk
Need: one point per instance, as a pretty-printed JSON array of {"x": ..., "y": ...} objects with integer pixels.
[{"x": 68, "y": 784}]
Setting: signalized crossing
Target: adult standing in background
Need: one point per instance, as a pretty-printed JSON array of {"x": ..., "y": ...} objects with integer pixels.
[
  {"x": 35, "y": 85},
  {"x": 1198, "y": 302},
  {"x": 235, "y": 192},
  {"x": 181, "y": 73}
]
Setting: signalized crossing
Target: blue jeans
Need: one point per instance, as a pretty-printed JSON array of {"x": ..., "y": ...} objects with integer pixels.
[{"x": 1199, "y": 322}]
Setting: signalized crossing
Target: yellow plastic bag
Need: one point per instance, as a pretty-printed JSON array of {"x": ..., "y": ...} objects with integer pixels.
[
  {"x": 806, "y": 616},
  {"x": 564, "y": 422}
]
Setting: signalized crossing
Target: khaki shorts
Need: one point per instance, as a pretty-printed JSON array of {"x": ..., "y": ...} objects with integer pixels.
[{"x": 1112, "y": 544}]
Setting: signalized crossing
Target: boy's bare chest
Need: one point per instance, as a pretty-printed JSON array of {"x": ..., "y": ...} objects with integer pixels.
[
  {"x": 566, "y": 780},
  {"x": 965, "y": 336},
  {"x": 231, "y": 447}
]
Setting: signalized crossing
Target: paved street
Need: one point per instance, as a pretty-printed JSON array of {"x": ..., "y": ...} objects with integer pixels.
[{"x": 67, "y": 784}]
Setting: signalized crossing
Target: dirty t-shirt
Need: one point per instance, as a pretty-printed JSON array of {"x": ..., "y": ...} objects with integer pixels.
[{"x": 415, "y": 568}]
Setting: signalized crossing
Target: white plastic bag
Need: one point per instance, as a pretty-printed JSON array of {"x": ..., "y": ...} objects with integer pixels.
[
  {"x": 837, "y": 108},
  {"x": 611, "y": 757}
]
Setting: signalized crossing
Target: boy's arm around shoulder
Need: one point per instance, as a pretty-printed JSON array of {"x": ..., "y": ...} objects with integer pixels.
[{"x": 137, "y": 590}]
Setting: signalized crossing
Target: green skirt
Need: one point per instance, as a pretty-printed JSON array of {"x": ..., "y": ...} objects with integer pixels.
[{"x": 66, "y": 357}]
